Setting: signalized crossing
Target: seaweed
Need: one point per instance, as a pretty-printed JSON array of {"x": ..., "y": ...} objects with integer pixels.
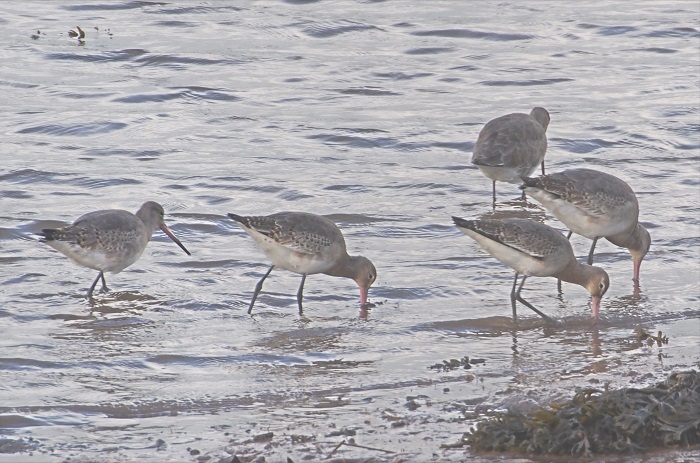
[
  {"x": 628, "y": 420},
  {"x": 452, "y": 364}
]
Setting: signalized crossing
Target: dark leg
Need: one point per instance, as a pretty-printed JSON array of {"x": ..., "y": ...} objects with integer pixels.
[
  {"x": 568, "y": 237},
  {"x": 94, "y": 283},
  {"x": 512, "y": 298},
  {"x": 590, "y": 253},
  {"x": 527, "y": 304},
  {"x": 543, "y": 167},
  {"x": 494, "y": 193},
  {"x": 300, "y": 293},
  {"x": 258, "y": 287},
  {"x": 104, "y": 283}
]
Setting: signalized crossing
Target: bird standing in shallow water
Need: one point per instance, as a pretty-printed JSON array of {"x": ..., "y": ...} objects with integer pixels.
[
  {"x": 109, "y": 240},
  {"x": 534, "y": 249},
  {"x": 595, "y": 205},
  {"x": 512, "y": 146},
  {"x": 306, "y": 244}
]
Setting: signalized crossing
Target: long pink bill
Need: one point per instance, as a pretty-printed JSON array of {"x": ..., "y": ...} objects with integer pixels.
[
  {"x": 595, "y": 305},
  {"x": 637, "y": 266},
  {"x": 363, "y": 297},
  {"x": 167, "y": 231}
]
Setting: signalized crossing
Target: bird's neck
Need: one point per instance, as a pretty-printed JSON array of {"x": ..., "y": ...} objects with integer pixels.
[
  {"x": 630, "y": 239},
  {"x": 345, "y": 267},
  {"x": 579, "y": 274},
  {"x": 150, "y": 225}
]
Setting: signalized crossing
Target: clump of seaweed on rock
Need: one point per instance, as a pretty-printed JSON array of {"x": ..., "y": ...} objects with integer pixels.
[{"x": 627, "y": 420}]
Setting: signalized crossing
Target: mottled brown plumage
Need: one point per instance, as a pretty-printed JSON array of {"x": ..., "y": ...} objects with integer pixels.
[
  {"x": 306, "y": 243},
  {"x": 109, "y": 240},
  {"x": 534, "y": 249},
  {"x": 512, "y": 146},
  {"x": 596, "y": 205}
]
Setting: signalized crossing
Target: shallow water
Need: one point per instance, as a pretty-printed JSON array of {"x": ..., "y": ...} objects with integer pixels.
[{"x": 363, "y": 111}]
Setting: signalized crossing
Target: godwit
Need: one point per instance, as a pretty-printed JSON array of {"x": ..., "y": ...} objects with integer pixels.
[
  {"x": 306, "y": 244},
  {"x": 109, "y": 240},
  {"x": 534, "y": 249},
  {"x": 512, "y": 146},
  {"x": 596, "y": 205}
]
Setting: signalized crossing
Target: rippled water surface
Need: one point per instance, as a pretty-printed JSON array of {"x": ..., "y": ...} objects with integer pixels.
[{"x": 364, "y": 111}]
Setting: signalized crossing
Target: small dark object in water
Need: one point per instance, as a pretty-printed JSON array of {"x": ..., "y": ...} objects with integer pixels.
[
  {"x": 628, "y": 420},
  {"x": 77, "y": 34},
  {"x": 644, "y": 336},
  {"x": 452, "y": 364}
]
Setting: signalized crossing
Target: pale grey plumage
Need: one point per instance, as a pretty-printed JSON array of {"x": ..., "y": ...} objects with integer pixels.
[
  {"x": 593, "y": 204},
  {"x": 512, "y": 146},
  {"x": 534, "y": 249},
  {"x": 109, "y": 240},
  {"x": 307, "y": 244}
]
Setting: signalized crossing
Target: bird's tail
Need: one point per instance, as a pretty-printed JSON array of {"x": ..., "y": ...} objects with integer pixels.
[
  {"x": 237, "y": 218},
  {"x": 530, "y": 182},
  {"x": 464, "y": 223},
  {"x": 54, "y": 234}
]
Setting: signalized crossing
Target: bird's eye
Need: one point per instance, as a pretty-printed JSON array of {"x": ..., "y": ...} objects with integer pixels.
[{"x": 371, "y": 277}]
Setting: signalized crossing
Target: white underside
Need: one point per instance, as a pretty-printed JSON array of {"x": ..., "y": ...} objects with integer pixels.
[
  {"x": 578, "y": 220},
  {"x": 506, "y": 174},
  {"x": 94, "y": 259},
  {"x": 517, "y": 260},
  {"x": 289, "y": 259}
]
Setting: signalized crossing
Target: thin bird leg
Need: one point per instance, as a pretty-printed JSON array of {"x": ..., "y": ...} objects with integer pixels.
[
  {"x": 94, "y": 283},
  {"x": 571, "y": 232},
  {"x": 512, "y": 298},
  {"x": 104, "y": 283},
  {"x": 590, "y": 253},
  {"x": 258, "y": 287},
  {"x": 494, "y": 193},
  {"x": 519, "y": 298},
  {"x": 543, "y": 167},
  {"x": 300, "y": 293}
]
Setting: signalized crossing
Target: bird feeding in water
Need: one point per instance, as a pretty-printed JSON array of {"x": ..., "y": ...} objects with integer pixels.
[
  {"x": 596, "y": 205},
  {"x": 306, "y": 244},
  {"x": 109, "y": 240},
  {"x": 534, "y": 249}
]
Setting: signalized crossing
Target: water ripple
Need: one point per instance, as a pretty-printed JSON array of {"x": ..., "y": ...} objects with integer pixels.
[
  {"x": 199, "y": 9},
  {"x": 524, "y": 83},
  {"x": 472, "y": 34},
  {"x": 402, "y": 75},
  {"x": 171, "y": 60},
  {"x": 687, "y": 32},
  {"x": 75, "y": 130},
  {"x": 368, "y": 91},
  {"x": 584, "y": 146},
  {"x": 616, "y": 30},
  {"x": 112, "y": 6},
  {"x": 326, "y": 30},
  {"x": 429, "y": 50},
  {"x": 354, "y": 141},
  {"x": 110, "y": 56}
]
